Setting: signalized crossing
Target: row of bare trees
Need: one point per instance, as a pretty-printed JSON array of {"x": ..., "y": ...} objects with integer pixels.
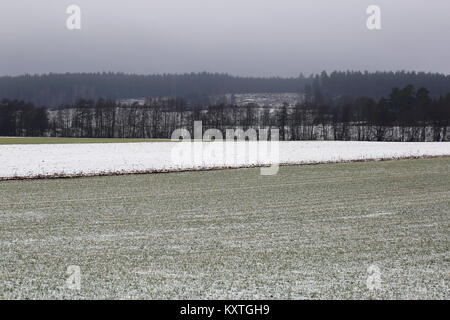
[{"x": 406, "y": 115}]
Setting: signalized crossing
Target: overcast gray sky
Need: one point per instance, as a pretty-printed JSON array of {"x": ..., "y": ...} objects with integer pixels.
[{"x": 241, "y": 37}]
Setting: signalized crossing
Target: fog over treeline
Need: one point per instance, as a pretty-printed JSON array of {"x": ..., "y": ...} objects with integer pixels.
[
  {"x": 245, "y": 38},
  {"x": 53, "y": 90}
]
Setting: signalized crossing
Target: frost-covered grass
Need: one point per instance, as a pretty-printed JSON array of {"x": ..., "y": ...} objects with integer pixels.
[
  {"x": 307, "y": 232},
  {"x": 49, "y": 160}
]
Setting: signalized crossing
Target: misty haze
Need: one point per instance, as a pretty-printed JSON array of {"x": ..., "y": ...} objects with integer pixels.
[
  {"x": 245, "y": 38},
  {"x": 225, "y": 153}
]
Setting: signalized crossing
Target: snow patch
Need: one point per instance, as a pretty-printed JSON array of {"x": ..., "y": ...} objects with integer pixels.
[
  {"x": 66, "y": 160},
  {"x": 372, "y": 215}
]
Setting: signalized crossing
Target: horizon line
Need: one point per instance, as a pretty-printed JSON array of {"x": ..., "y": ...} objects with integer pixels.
[{"x": 301, "y": 74}]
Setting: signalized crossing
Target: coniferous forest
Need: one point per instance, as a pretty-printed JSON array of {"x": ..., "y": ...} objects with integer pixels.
[{"x": 53, "y": 90}]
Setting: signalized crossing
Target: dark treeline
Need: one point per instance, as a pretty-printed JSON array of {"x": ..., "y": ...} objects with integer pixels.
[
  {"x": 18, "y": 118},
  {"x": 53, "y": 90},
  {"x": 406, "y": 114},
  {"x": 339, "y": 85}
]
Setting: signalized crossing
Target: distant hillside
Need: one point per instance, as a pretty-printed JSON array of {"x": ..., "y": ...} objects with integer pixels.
[{"x": 55, "y": 89}]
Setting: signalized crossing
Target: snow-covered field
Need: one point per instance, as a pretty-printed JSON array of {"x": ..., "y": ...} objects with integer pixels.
[{"x": 95, "y": 159}]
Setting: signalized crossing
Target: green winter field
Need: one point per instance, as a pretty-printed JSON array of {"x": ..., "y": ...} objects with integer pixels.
[{"x": 366, "y": 230}]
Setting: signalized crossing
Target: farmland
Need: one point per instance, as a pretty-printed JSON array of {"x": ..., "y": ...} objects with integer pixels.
[
  {"x": 88, "y": 159},
  {"x": 310, "y": 231}
]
